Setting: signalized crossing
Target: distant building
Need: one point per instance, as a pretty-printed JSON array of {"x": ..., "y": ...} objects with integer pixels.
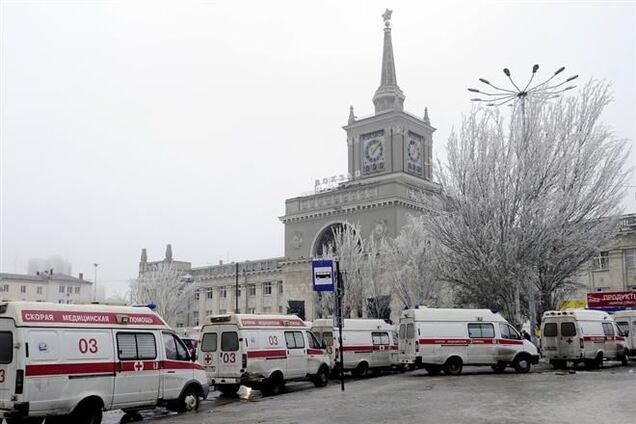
[
  {"x": 389, "y": 167},
  {"x": 45, "y": 287},
  {"x": 614, "y": 268}
]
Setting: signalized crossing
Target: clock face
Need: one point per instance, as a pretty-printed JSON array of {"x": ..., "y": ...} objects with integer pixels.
[
  {"x": 373, "y": 152},
  {"x": 415, "y": 151}
]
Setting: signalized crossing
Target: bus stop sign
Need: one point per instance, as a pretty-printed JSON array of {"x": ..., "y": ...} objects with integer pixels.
[{"x": 322, "y": 274}]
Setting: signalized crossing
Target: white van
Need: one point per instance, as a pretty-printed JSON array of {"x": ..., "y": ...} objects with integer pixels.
[
  {"x": 448, "y": 339},
  {"x": 581, "y": 336},
  {"x": 70, "y": 362},
  {"x": 369, "y": 344},
  {"x": 626, "y": 321},
  {"x": 262, "y": 351}
]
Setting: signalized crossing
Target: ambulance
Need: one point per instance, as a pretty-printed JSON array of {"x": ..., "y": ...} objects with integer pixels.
[
  {"x": 369, "y": 344},
  {"x": 626, "y": 321},
  {"x": 581, "y": 336},
  {"x": 260, "y": 351},
  {"x": 69, "y": 363},
  {"x": 447, "y": 339}
]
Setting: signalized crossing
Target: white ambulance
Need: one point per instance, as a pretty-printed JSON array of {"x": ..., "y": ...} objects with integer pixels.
[
  {"x": 369, "y": 344},
  {"x": 581, "y": 336},
  {"x": 448, "y": 339},
  {"x": 70, "y": 362},
  {"x": 626, "y": 321},
  {"x": 261, "y": 351}
]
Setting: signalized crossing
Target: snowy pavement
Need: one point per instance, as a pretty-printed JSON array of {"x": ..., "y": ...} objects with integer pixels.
[{"x": 477, "y": 396}]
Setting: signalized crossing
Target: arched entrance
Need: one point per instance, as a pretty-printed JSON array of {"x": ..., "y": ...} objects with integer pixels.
[{"x": 326, "y": 240}]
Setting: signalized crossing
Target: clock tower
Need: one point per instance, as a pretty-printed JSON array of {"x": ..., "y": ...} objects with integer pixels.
[{"x": 389, "y": 165}]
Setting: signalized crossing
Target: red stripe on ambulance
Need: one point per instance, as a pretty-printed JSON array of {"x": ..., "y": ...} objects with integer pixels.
[{"x": 267, "y": 354}]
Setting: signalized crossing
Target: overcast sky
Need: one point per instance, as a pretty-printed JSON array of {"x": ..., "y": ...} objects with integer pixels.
[{"x": 134, "y": 124}]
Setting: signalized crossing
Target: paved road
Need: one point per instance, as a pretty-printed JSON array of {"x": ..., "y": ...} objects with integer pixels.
[{"x": 477, "y": 396}]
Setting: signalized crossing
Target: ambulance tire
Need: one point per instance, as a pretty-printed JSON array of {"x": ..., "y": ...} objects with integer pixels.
[
  {"x": 273, "y": 385},
  {"x": 625, "y": 358},
  {"x": 558, "y": 364},
  {"x": 229, "y": 389},
  {"x": 58, "y": 419},
  {"x": 88, "y": 411},
  {"x": 34, "y": 420},
  {"x": 522, "y": 364},
  {"x": 322, "y": 378},
  {"x": 361, "y": 370},
  {"x": 453, "y": 366},
  {"x": 189, "y": 400}
]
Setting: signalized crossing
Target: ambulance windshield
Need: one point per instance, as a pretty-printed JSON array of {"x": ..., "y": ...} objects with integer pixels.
[{"x": 6, "y": 347}]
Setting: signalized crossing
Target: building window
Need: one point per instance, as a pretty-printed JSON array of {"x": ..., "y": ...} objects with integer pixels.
[
  {"x": 39, "y": 290},
  {"x": 251, "y": 310},
  {"x": 60, "y": 301},
  {"x": 222, "y": 312},
  {"x": 77, "y": 290},
  {"x": 267, "y": 309},
  {"x": 195, "y": 318},
  {"x": 238, "y": 291},
  {"x": 601, "y": 261},
  {"x": 22, "y": 289},
  {"x": 5, "y": 288},
  {"x": 267, "y": 289},
  {"x": 630, "y": 258},
  {"x": 280, "y": 287},
  {"x": 196, "y": 294},
  {"x": 251, "y": 290},
  {"x": 61, "y": 289},
  {"x": 209, "y": 312},
  {"x": 280, "y": 309},
  {"x": 223, "y": 292},
  {"x": 69, "y": 289},
  {"x": 209, "y": 293}
]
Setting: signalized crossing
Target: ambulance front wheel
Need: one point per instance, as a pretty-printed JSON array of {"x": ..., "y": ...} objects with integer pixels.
[
  {"x": 189, "y": 400},
  {"x": 322, "y": 378},
  {"x": 453, "y": 366},
  {"x": 522, "y": 364}
]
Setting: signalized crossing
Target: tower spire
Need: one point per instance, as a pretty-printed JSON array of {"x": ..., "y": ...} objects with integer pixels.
[{"x": 388, "y": 96}]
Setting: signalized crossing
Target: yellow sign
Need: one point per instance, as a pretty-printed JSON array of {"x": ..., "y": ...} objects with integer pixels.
[{"x": 572, "y": 303}]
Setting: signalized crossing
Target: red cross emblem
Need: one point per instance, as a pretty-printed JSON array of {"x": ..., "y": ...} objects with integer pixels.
[
  {"x": 569, "y": 341},
  {"x": 139, "y": 366},
  {"x": 207, "y": 358}
]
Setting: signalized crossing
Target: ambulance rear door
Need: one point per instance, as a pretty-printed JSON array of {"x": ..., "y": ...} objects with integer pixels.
[
  {"x": 8, "y": 361},
  {"x": 230, "y": 351}
]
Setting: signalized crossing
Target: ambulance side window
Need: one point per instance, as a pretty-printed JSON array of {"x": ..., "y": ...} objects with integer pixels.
[
  {"x": 402, "y": 331},
  {"x": 135, "y": 346},
  {"x": 294, "y": 340},
  {"x": 608, "y": 329},
  {"x": 6, "y": 347},
  {"x": 327, "y": 337},
  {"x": 481, "y": 331},
  {"x": 174, "y": 348},
  {"x": 313, "y": 343},
  {"x": 380, "y": 338},
  {"x": 209, "y": 342},
  {"x": 229, "y": 341}
]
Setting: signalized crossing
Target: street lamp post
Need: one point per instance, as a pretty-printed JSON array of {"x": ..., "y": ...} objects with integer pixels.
[
  {"x": 497, "y": 96},
  {"x": 95, "y": 283}
]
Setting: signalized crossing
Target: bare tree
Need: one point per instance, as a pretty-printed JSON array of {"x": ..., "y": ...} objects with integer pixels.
[
  {"x": 526, "y": 203},
  {"x": 409, "y": 265},
  {"x": 169, "y": 289},
  {"x": 349, "y": 249},
  {"x": 377, "y": 292}
]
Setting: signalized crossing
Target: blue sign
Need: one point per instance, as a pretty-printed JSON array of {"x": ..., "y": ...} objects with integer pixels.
[{"x": 322, "y": 274}]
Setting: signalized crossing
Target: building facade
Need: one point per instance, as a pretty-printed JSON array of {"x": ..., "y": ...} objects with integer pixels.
[
  {"x": 389, "y": 170},
  {"x": 46, "y": 287},
  {"x": 614, "y": 268}
]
